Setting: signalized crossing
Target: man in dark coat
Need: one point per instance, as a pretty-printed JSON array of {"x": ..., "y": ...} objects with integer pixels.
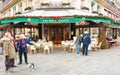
[{"x": 86, "y": 41}]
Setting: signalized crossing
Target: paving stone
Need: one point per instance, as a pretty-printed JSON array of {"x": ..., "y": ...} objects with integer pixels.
[{"x": 101, "y": 62}]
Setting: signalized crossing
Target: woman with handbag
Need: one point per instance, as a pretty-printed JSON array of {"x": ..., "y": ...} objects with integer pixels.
[{"x": 9, "y": 52}]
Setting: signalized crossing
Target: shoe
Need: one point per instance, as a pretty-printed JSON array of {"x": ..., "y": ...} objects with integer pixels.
[
  {"x": 83, "y": 54},
  {"x": 19, "y": 63},
  {"x": 26, "y": 63},
  {"x": 14, "y": 66},
  {"x": 9, "y": 70},
  {"x": 86, "y": 55},
  {"x": 78, "y": 55}
]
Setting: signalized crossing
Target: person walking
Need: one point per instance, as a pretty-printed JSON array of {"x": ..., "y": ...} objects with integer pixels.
[
  {"x": 9, "y": 52},
  {"x": 78, "y": 44},
  {"x": 22, "y": 48},
  {"x": 86, "y": 41}
]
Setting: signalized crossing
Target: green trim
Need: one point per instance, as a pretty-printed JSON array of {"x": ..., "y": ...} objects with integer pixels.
[
  {"x": 19, "y": 4},
  {"x": 98, "y": 6},
  {"x": 93, "y": 3},
  {"x": 116, "y": 24},
  {"x": 14, "y": 7}
]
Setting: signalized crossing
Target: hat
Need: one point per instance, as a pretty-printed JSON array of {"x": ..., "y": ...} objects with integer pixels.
[
  {"x": 22, "y": 36},
  {"x": 86, "y": 32}
]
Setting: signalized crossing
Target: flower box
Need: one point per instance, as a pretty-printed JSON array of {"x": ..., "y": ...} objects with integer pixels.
[
  {"x": 28, "y": 8},
  {"x": 85, "y": 8}
]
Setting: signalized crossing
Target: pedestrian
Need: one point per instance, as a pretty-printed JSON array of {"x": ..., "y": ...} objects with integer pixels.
[
  {"x": 9, "y": 52},
  {"x": 78, "y": 44},
  {"x": 86, "y": 41},
  {"x": 22, "y": 48},
  {"x": 9, "y": 34}
]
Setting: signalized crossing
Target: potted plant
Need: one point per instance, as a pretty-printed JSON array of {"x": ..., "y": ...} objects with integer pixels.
[
  {"x": 102, "y": 38},
  {"x": 28, "y": 8},
  {"x": 85, "y": 8},
  {"x": 30, "y": 0},
  {"x": 65, "y": 4},
  {"x": 17, "y": 13},
  {"x": 100, "y": 14},
  {"x": 44, "y": 4},
  {"x": 95, "y": 12}
]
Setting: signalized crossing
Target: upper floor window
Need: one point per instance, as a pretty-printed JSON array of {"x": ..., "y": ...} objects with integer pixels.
[
  {"x": 55, "y": 3},
  {"x": 98, "y": 7},
  {"x": 3, "y": 0},
  {"x": 92, "y": 5},
  {"x": 82, "y": 1}
]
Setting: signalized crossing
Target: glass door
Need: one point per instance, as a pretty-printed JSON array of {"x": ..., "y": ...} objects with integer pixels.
[{"x": 56, "y": 35}]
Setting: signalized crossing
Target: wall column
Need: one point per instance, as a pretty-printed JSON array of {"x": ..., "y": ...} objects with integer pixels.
[
  {"x": 73, "y": 32},
  {"x": 40, "y": 31}
]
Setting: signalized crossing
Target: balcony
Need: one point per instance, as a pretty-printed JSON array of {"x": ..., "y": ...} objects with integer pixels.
[
  {"x": 4, "y": 4},
  {"x": 111, "y": 3}
]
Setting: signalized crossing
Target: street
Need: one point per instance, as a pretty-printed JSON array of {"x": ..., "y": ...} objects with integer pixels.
[{"x": 99, "y": 62}]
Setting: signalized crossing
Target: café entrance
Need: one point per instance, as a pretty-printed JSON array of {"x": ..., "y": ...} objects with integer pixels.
[{"x": 56, "y": 32}]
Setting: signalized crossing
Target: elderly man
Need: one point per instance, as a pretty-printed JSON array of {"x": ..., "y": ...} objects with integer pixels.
[{"x": 86, "y": 41}]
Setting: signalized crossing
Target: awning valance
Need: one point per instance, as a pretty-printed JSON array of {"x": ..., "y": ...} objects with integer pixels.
[{"x": 57, "y": 19}]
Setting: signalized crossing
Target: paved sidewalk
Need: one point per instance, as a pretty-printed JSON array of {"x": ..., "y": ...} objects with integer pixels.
[{"x": 102, "y": 62}]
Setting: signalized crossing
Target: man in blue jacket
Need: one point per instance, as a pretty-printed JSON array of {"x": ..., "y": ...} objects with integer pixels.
[
  {"x": 86, "y": 41},
  {"x": 22, "y": 48}
]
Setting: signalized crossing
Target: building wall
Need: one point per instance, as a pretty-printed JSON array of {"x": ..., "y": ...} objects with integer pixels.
[{"x": 78, "y": 4}]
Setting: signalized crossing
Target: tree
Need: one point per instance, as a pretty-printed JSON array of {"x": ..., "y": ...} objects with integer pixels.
[{"x": 102, "y": 38}]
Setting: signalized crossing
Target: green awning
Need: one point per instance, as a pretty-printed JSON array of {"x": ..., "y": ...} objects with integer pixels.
[
  {"x": 73, "y": 19},
  {"x": 19, "y": 4},
  {"x": 98, "y": 6},
  {"x": 14, "y": 7},
  {"x": 116, "y": 24},
  {"x": 93, "y": 3},
  {"x": 52, "y": 20}
]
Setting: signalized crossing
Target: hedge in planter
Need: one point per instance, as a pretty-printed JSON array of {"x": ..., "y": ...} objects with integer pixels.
[
  {"x": 44, "y": 4},
  {"x": 28, "y": 8},
  {"x": 85, "y": 8}
]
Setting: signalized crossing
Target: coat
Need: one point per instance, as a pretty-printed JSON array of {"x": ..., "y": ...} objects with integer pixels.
[
  {"x": 78, "y": 40},
  {"x": 86, "y": 39},
  {"x": 19, "y": 45},
  {"x": 8, "y": 48}
]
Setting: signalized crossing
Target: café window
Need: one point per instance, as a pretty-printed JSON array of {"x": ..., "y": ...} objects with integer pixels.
[{"x": 95, "y": 32}]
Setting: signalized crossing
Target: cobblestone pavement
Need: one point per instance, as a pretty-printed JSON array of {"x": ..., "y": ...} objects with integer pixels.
[{"x": 100, "y": 62}]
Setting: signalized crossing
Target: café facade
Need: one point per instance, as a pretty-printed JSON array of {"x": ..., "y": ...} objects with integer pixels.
[{"x": 58, "y": 24}]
